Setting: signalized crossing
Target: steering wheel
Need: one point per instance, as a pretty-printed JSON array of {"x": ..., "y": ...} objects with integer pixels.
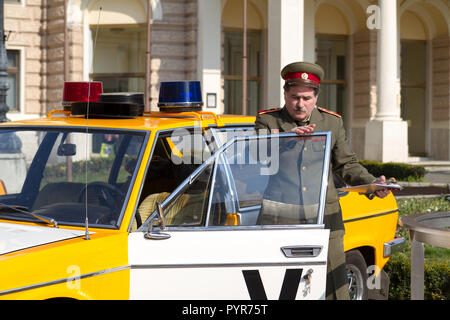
[{"x": 107, "y": 195}]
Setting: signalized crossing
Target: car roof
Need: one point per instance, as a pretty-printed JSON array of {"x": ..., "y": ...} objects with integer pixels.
[{"x": 149, "y": 121}]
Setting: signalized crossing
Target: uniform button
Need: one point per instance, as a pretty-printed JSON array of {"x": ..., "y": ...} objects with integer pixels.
[
  {"x": 304, "y": 188},
  {"x": 306, "y": 149},
  {"x": 303, "y": 168}
]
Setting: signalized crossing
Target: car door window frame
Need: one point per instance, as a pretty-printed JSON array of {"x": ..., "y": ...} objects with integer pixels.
[
  {"x": 236, "y": 201},
  {"x": 213, "y": 160}
]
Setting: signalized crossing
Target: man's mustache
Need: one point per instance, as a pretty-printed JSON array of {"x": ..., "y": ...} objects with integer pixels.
[{"x": 300, "y": 109}]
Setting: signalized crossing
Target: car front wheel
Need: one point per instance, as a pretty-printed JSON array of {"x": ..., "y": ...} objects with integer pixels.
[{"x": 357, "y": 275}]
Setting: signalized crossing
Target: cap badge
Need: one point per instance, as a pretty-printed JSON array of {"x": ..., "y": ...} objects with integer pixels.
[{"x": 304, "y": 76}]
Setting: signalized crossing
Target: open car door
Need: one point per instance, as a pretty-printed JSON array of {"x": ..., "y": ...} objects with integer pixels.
[{"x": 247, "y": 224}]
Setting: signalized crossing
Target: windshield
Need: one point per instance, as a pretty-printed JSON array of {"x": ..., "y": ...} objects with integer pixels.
[{"x": 62, "y": 174}]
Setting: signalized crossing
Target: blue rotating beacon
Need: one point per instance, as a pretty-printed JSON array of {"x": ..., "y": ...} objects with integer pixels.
[{"x": 180, "y": 96}]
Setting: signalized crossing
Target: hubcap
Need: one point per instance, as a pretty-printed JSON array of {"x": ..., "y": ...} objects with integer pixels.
[{"x": 355, "y": 282}]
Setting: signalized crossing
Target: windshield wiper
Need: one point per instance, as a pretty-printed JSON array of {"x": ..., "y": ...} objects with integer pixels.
[{"x": 22, "y": 209}]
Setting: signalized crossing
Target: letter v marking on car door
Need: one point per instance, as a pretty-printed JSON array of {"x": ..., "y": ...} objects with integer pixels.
[{"x": 289, "y": 288}]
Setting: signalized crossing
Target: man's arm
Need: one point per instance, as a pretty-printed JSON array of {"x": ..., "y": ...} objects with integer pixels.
[
  {"x": 346, "y": 165},
  {"x": 344, "y": 161}
]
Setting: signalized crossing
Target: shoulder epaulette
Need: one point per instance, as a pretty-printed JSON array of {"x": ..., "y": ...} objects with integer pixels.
[
  {"x": 268, "y": 110},
  {"x": 329, "y": 112}
]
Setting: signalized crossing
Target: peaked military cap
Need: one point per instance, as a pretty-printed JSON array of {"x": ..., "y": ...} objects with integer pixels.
[{"x": 305, "y": 73}]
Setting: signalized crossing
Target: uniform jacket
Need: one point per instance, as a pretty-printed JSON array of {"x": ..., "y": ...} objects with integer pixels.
[{"x": 344, "y": 163}]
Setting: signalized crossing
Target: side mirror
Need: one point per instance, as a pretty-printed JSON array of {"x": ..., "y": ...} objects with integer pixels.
[
  {"x": 67, "y": 149},
  {"x": 233, "y": 219},
  {"x": 157, "y": 235}
]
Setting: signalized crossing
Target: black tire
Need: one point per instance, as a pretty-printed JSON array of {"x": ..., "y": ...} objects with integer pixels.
[{"x": 357, "y": 275}]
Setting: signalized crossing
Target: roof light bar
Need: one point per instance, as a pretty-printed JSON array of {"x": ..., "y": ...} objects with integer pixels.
[
  {"x": 81, "y": 91},
  {"x": 176, "y": 96}
]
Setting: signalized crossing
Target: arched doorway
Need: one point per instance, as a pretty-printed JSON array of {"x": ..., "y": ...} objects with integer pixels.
[
  {"x": 413, "y": 65},
  {"x": 422, "y": 26},
  {"x": 414, "y": 68}
]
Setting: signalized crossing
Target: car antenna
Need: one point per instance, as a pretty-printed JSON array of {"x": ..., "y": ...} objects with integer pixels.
[{"x": 86, "y": 236}]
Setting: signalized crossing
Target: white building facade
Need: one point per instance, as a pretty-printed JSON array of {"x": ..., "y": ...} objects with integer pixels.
[{"x": 387, "y": 62}]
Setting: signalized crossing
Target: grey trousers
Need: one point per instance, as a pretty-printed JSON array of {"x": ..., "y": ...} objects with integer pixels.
[{"x": 337, "y": 280}]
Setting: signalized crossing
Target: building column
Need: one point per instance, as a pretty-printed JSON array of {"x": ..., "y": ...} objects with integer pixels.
[
  {"x": 386, "y": 136},
  {"x": 285, "y": 43},
  {"x": 209, "y": 52},
  {"x": 309, "y": 32}
]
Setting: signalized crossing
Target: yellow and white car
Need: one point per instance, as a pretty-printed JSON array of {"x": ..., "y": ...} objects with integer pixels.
[{"x": 171, "y": 205}]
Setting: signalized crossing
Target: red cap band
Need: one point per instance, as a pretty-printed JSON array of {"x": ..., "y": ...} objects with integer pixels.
[{"x": 302, "y": 75}]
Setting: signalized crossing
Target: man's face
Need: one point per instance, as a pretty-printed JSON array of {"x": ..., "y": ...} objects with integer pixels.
[{"x": 300, "y": 101}]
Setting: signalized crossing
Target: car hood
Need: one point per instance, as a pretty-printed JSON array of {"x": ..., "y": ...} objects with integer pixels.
[{"x": 15, "y": 237}]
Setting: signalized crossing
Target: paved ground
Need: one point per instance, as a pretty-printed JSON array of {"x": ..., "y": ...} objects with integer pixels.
[
  {"x": 436, "y": 182},
  {"x": 439, "y": 176},
  {"x": 436, "y": 171}
]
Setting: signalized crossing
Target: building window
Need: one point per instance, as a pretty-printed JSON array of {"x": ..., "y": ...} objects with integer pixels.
[
  {"x": 413, "y": 93},
  {"x": 233, "y": 72},
  {"x": 331, "y": 55},
  {"x": 119, "y": 58},
  {"x": 12, "y": 95}
]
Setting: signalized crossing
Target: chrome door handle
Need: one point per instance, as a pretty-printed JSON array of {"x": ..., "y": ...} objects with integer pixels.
[{"x": 301, "y": 251}]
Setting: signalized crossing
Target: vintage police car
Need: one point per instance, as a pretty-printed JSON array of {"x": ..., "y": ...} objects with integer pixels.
[{"x": 101, "y": 200}]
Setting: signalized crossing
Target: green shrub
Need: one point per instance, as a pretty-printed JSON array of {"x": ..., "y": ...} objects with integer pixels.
[
  {"x": 436, "y": 278},
  {"x": 398, "y": 269},
  {"x": 98, "y": 169},
  {"x": 94, "y": 165},
  {"x": 400, "y": 171},
  {"x": 58, "y": 170},
  {"x": 437, "y": 281}
]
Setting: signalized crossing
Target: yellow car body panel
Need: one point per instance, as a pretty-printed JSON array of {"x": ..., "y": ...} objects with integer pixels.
[
  {"x": 150, "y": 121},
  {"x": 3, "y": 190},
  {"x": 111, "y": 286},
  {"x": 85, "y": 269},
  {"x": 369, "y": 223}
]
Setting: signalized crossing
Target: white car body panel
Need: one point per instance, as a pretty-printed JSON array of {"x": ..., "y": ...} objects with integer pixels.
[
  {"x": 15, "y": 237},
  {"x": 210, "y": 264}
]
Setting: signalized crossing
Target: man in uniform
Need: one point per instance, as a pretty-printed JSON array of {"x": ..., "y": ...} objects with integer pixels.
[{"x": 301, "y": 115}]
